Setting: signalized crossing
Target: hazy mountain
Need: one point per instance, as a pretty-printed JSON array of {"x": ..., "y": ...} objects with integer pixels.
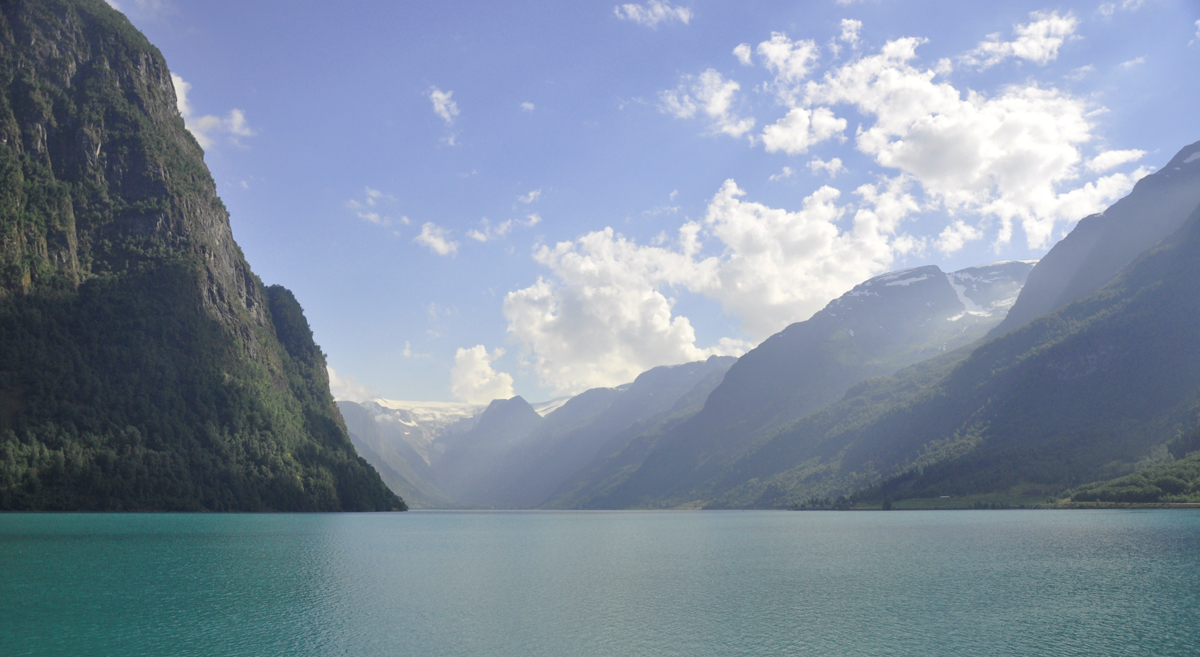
[
  {"x": 573, "y": 435},
  {"x": 512, "y": 454},
  {"x": 384, "y": 443},
  {"x": 1102, "y": 244},
  {"x": 1101, "y": 387},
  {"x": 880, "y": 326},
  {"x": 142, "y": 364},
  {"x": 471, "y": 458}
]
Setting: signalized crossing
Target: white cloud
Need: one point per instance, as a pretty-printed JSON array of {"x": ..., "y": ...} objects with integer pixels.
[
  {"x": 800, "y": 129},
  {"x": 850, "y": 31},
  {"x": 113, "y": 4},
  {"x": 206, "y": 128},
  {"x": 652, "y": 13},
  {"x": 790, "y": 61},
  {"x": 532, "y": 220},
  {"x": 1007, "y": 156},
  {"x": 956, "y": 235},
  {"x": 1037, "y": 41},
  {"x": 742, "y": 52},
  {"x": 1136, "y": 61},
  {"x": 604, "y": 315},
  {"x": 436, "y": 239},
  {"x": 1112, "y": 159},
  {"x": 710, "y": 94},
  {"x": 345, "y": 388},
  {"x": 473, "y": 380},
  {"x": 489, "y": 232},
  {"x": 787, "y": 172},
  {"x": 1081, "y": 72},
  {"x": 527, "y": 106},
  {"x": 832, "y": 168},
  {"x": 1197, "y": 33},
  {"x": 443, "y": 105},
  {"x": 531, "y": 196},
  {"x": 371, "y": 208}
]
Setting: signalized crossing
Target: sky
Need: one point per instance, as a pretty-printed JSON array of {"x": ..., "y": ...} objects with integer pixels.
[{"x": 478, "y": 200}]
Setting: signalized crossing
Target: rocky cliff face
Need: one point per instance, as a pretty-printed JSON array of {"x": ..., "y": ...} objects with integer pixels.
[
  {"x": 142, "y": 363},
  {"x": 100, "y": 174}
]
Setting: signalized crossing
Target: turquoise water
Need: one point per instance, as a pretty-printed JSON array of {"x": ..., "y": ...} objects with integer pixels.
[{"x": 621, "y": 583}]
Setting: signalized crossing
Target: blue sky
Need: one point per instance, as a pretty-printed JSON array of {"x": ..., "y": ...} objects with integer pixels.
[{"x": 473, "y": 200}]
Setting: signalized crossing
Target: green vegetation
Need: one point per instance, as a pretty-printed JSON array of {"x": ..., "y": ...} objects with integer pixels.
[
  {"x": 1171, "y": 483},
  {"x": 142, "y": 365}
]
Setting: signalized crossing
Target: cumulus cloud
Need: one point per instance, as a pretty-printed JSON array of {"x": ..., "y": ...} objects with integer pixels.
[
  {"x": 709, "y": 94},
  {"x": 1037, "y": 41},
  {"x": 474, "y": 381},
  {"x": 345, "y": 388},
  {"x": 850, "y": 30},
  {"x": 800, "y": 129},
  {"x": 531, "y": 196},
  {"x": 653, "y": 13},
  {"x": 527, "y": 106},
  {"x": 742, "y": 52},
  {"x": 790, "y": 61},
  {"x": 113, "y": 4},
  {"x": 786, "y": 173},
  {"x": 1008, "y": 156},
  {"x": 604, "y": 314},
  {"x": 1113, "y": 159},
  {"x": 207, "y": 128},
  {"x": 956, "y": 235},
  {"x": 831, "y": 168},
  {"x": 436, "y": 239},
  {"x": 1136, "y": 61}
]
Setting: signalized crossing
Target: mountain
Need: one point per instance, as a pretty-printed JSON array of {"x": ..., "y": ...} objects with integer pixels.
[
  {"x": 1104, "y": 386},
  {"x": 470, "y": 458},
  {"x": 1103, "y": 244},
  {"x": 513, "y": 454},
  {"x": 383, "y": 444},
  {"x": 573, "y": 435},
  {"x": 142, "y": 364},
  {"x": 880, "y": 326}
]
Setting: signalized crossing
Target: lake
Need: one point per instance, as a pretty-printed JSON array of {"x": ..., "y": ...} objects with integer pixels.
[{"x": 602, "y": 583}]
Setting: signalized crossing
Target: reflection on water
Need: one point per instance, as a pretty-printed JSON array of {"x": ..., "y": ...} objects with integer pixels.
[{"x": 622, "y": 583}]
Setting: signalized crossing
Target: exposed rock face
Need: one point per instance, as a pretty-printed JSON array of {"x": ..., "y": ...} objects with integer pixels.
[{"x": 142, "y": 363}]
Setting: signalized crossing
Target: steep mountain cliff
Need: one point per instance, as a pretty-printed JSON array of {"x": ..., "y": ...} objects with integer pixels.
[{"x": 142, "y": 364}]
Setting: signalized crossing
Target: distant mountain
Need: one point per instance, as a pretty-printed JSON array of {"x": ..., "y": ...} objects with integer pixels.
[
  {"x": 880, "y": 326},
  {"x": 510, "y": 455},
  {"x": 471, "y": 458},
  {"x": 573, "y": 435},
  {"x": 1101, "y": 387},
  {"x": 382, "y": 442},
  {"x": 1103, "y": 244},
  {"x": 143, "y": 365}
]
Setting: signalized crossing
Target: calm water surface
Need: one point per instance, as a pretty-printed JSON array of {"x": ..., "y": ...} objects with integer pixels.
[{"x": 621, "y": 583}]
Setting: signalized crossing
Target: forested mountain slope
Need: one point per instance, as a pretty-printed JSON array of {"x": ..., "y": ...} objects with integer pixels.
[{"x": 142, "y": 364}]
